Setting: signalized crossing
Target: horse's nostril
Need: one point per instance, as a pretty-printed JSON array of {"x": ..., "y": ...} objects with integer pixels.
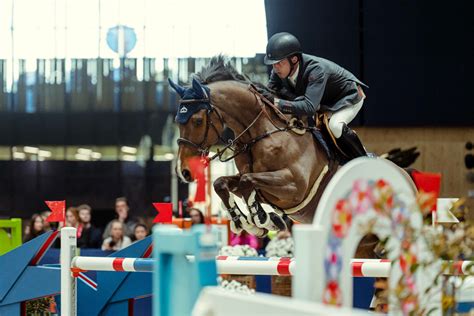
[{"x": 186, "y": 174}]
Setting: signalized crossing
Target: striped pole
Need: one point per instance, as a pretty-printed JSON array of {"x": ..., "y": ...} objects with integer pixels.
[
  {"x": 225, "y": 265},
  {"x": 113, "y": 264},
  {"x": 252, "y": 265},
  {"x": 380, "y": 268},
  {"x": 370, "y": 268},
  {"x": 257, "y": 265}
]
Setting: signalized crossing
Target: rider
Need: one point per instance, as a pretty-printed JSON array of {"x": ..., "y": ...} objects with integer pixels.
[{"x": 310, "y": 84}]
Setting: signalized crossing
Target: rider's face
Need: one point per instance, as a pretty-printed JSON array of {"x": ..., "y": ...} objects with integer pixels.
[{"x": 282, "y": 68}]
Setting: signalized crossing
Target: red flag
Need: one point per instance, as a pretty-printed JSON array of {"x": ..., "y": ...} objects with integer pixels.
[
  {"x": 197, "y": 168},
  {"x": 165, "y": 212},
  {"x": 58, "y": 211},
  {"x": 428, "y": 183}
]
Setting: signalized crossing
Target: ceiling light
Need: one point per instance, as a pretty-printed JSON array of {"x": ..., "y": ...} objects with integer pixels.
[
  {"x": 169, "y": 156},
  {"x": 82, "y": 157},
  {"x": 129, "y": 158},
  {"x": 19, "y": 155},
  {"x": 31, "y": 150},
  {"x": 129, "y": 150},
  {"x": 96, "y": 155},
  {"x": 84, "y": 151},
  {"x": 44, "y": 153}
]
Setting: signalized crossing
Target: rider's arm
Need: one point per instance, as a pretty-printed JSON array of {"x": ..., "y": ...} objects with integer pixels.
[{"x": 309, "y": 103}]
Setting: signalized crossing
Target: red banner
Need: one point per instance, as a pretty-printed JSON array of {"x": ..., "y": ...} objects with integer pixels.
[
  {"x": 58, "y": 211},
  {"x": 428, "y": 183},
  {"x": 197, "y": 167},
  {"x": 165, "y": 212}
]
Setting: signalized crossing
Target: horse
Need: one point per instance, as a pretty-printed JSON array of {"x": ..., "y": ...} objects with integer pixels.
[{"x": 277, "y": 165}]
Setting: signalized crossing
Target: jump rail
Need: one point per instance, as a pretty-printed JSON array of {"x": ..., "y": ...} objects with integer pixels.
[{"x": 251, "y": 266}]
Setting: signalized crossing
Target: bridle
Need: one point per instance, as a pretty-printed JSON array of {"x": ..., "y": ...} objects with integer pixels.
[
  {"x": 236, "y": 147},
  {"x": 201, "y": 148}
]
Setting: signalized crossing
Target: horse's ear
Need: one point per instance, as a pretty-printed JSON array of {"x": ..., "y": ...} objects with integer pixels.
[
  {"x": 180, "y": 90},
  {"x": 199, "y": 89}
]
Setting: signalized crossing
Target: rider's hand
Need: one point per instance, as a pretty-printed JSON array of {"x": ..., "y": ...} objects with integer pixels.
[
  {"x": 267, "y": 94},
  {"x": 285, "y": 94}
]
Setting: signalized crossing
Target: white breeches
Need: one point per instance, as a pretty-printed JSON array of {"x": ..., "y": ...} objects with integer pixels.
[{"x": 343, "y": 116}]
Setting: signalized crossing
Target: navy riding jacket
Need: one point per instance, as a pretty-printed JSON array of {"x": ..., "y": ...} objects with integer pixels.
[{"x": 321, "y": 85}]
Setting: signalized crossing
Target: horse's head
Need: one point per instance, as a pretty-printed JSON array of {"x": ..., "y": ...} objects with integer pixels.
[{"x": 200, "y": 126}]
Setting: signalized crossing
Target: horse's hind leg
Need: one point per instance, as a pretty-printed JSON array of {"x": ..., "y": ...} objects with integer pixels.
[{"x": 224, "y": 186}]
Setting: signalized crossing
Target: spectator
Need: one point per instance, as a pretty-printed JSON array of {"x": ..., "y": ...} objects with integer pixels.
[
  {"x": 121, "y": 209},
  {"x": 72, "y": 217},
  {"x": 35, "y": 228},
  {"x": 91, "y": 236},
  {"x": 244, "y": 239},
  {"x": 140, "y": 232},
  {"x": 47, "y": 225},
  {"x": 73, "y": 220},
  {"x": 117, "y": 240},
  {"x": 196, "y": 216}
]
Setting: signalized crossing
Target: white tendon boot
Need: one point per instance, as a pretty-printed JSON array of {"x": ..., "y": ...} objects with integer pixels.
[
  {"x": 263, "y": 218},
  {"x": 239, "y": 220}
]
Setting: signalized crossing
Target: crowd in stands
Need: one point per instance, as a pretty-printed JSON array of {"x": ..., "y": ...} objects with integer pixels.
[
  {"x": 123, "y": 230},
  {"x": 119, "y": 232}
]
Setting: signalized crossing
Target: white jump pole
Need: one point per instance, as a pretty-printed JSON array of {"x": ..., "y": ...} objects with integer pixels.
[
  {"x": 68, "y": 282},
  {"x": 225, "y": 265},
  {"x": 248, "y": 265},
  {"x": 273, "y": 266},
  {"x": 113, "y": 264}
]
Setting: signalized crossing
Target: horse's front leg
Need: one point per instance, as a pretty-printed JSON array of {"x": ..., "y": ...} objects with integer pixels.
[
  {"x": 278, "y": 183},
  {"x": 225, "y": 187}
]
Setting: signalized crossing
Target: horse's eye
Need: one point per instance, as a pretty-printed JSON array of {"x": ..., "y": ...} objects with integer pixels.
[{"x": 198, "y": 122}]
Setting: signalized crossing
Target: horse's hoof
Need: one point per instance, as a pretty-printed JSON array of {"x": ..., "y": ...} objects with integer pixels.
[
  {"x": 236, "y": 230},
  {"x": 256, "y": 231},
  {"x": 278, "y": 221},
  {"x": 262, "y": 233},
  {"x": 262, "y": 220}
]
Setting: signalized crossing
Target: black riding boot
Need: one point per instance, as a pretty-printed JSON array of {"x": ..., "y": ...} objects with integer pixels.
[{"x": 351, "y": 144}]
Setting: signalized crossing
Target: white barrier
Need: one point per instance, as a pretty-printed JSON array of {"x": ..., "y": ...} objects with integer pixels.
[
  {"x": 218, "y": 302},
  {"x": 68, "y": 282},
  {"x": 365, "y": 195},
  {"x": 252, "y": 266}
]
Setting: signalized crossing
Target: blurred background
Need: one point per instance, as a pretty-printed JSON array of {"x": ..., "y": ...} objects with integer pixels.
[{"x": 86, "y": 114}]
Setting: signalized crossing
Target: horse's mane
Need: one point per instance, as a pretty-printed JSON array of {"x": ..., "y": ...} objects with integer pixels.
[{"x": 220, "y": 69}]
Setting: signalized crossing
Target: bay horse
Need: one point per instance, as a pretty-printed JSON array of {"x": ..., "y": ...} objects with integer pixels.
[{"x": 277, "y": 164}]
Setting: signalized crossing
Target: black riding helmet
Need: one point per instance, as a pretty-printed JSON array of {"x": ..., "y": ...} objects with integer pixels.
[{"x": 280, "y": 46}]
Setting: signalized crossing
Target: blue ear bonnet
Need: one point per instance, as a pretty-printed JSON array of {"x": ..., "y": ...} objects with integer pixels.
[
  {"x": 198, "y": 92},
  {"x": 186, "y": 110}
]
